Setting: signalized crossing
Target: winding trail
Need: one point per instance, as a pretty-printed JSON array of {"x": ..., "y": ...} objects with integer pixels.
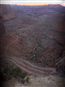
[{"x": 30, "y": 68}]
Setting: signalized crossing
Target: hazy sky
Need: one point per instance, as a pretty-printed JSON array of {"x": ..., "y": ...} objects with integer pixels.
[{"x": 32, "y": 1}]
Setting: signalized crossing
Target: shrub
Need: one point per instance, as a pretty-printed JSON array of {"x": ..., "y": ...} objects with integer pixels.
[{"x": 9, "y": 72}]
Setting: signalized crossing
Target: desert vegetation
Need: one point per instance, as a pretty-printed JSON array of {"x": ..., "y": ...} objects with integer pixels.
[{"x": 11, "y": 71}]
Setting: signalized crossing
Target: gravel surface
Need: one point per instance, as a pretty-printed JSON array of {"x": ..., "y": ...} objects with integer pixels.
[{"x": 38, "y": 81}]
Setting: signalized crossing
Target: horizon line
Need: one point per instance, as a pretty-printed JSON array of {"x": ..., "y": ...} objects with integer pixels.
[
  {"x": 32, "y": 4},
  {"x": 38, "y": 4}
]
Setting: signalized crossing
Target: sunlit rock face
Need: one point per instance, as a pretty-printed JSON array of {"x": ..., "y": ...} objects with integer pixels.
[{"x": 35, "y": 33}]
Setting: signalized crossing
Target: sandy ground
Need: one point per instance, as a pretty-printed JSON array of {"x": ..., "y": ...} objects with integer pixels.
[{"x": 39, "y": 81}]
